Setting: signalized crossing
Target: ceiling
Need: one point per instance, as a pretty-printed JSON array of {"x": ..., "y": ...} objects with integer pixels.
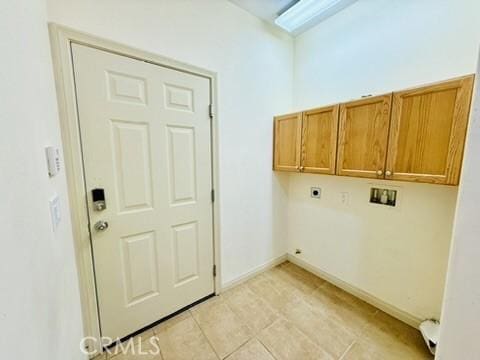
[
  {"x": 268, "y": 10},
  {"x": 265, "y": 9}
]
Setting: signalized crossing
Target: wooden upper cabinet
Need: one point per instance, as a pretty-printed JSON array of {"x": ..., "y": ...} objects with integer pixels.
[
  {"x": 319, "y": 140},
  {"x": 363, "y": 137},
  {"x": 427, "y": 133},
  {"x": 287, "y": 142}
]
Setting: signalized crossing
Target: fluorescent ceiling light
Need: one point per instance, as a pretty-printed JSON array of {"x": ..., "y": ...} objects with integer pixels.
[{"x": 306, "y": 11}]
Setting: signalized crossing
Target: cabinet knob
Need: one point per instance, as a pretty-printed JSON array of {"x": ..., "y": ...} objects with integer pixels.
[
  {"x": 379, "y": 172},
  {"x": 301, "y": 168},
  {"x": 388, "y": 173}
]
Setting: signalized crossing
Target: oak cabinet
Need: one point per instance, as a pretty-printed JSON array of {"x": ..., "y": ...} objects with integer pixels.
[
  {"x": 287, "y": 142},
  {"x": 413, "y": 135},
  {"x": 319, "y": 140},
  {"x": 427, "y": 133},
  {"x": 363, "y": 137}
]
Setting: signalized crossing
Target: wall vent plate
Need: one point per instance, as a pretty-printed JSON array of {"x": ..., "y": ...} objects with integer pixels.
[{"x": 316, "y": 192}]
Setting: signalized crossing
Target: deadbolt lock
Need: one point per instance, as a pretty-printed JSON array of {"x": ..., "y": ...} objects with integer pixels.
[{"x": 98, "y": 198}]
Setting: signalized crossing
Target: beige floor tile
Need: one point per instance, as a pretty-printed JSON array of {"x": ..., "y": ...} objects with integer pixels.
[
  {"x": 276, "y": 293},
  {"x": 284, "y": 341},
  {"x": 137, "y": 348},
  {"x": 362, "y": 351},
  {"x": 286, "y": 274},
  {"x": 385, "y": 334},
  {"x": 349, "y": 298},
  {"x": 253, "y": 350},
  {"x": 325, "y": 331},
  {"x": 180, "y": 338},
  {"x": 223, "y": 329},
  {"x": 250, "y": 308},
  {"x": 351, "y": 314},
  {"x": 294, "y": 314},
  {"x": 302, "y": 273}
]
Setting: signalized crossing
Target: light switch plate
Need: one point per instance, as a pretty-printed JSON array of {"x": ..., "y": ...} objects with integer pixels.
[{"x": 54, "y": 203}]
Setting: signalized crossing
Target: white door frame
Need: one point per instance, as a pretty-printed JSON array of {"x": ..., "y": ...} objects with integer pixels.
[{"x": 61, "y": 38}]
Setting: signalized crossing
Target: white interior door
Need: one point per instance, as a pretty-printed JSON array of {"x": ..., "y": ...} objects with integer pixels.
[{"x": 145, "y": 134}]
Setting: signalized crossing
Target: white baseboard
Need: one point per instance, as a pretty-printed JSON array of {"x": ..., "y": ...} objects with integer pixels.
[
  {"x": 250, "y": 274},
  {"x": 401, "y": 315},
  {"x": 397, "y": 313}
]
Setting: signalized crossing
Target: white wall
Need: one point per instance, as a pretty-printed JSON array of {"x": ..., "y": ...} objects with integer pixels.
[
  {"x": 398, "y": 255},
  {"x": 378, "y": 46},
  {"x": 461, "y": 309},
  {"x": 40, "y": 314},
  {"x": 254, "y": 66}
]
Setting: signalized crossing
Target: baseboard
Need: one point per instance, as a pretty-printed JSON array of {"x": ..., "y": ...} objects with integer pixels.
[
  {"x": 372, "y": 300},
  {"x": 255, "y": 271}
]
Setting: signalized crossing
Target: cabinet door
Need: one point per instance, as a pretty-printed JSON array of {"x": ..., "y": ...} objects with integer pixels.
[
  {"x": 319, "y": 140},
  {"x": 287, "y": 142},
  {"x": 428, "y": 132},
  {"x": 363, "y": 137}
]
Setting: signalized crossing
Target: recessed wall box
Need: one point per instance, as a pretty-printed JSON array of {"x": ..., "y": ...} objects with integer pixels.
[{"x": 381, "y": 196}]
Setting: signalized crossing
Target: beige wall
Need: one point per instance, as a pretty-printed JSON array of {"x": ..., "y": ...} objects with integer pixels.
[
  {"x": 461, "y": 308},
  {"x": 40, "y": 315},
  {"x": 254, "y": 65},
  {"x": 399, "y": 255},
  {"x": 372, "y": 47}
]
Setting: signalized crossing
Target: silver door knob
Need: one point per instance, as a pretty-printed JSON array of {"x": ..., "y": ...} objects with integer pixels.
[
  {"x": 388, "y": 173},
  {"x": 101, "y": 225},
  {"x": 379, "y": 172}
]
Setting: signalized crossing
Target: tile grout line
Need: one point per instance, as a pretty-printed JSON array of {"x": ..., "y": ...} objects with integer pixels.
[
  {"x": 203, "y": 333},
  {"x": 225, "y": 300},
  {"x": 347, "y": 350},
  {"x": 265, "y": 346}
]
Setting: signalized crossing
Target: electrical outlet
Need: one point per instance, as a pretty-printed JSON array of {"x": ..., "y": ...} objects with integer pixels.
[
  {"x": 316, "y": 192},
  {"x": 344, "y": 198}
]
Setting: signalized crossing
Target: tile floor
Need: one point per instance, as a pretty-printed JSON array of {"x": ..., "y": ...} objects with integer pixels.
[{"x": 284, "y": 313}]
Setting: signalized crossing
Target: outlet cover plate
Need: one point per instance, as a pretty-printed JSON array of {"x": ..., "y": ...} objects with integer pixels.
[{"x": 316, "y": 192}]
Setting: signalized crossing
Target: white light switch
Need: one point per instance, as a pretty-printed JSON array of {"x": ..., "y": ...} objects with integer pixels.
[{"x": 55, "y": 211}]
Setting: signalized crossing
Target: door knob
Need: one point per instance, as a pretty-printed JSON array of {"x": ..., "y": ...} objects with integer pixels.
[
  {"x": 101, "y": 225},
  {"x": 379, "y": 172}
]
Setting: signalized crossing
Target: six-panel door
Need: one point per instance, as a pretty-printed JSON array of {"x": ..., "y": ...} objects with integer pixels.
[
  {"x": 428, "y": 132},
  {"x": 319, "y": 140},
  {"x": 145, "y": 133},
  {"x": 287, "y": 142},
  {"x": 363, "y": 136}
]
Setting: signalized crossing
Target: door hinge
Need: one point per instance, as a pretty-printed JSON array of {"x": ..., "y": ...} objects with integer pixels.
[
  {"x": 214, "y": 270},
  {"x": 213, "y": 195},
  {"x": 210, "y": 111}
]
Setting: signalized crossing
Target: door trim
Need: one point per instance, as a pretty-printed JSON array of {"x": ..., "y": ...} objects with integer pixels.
[{"x": 61, "y": 38}]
